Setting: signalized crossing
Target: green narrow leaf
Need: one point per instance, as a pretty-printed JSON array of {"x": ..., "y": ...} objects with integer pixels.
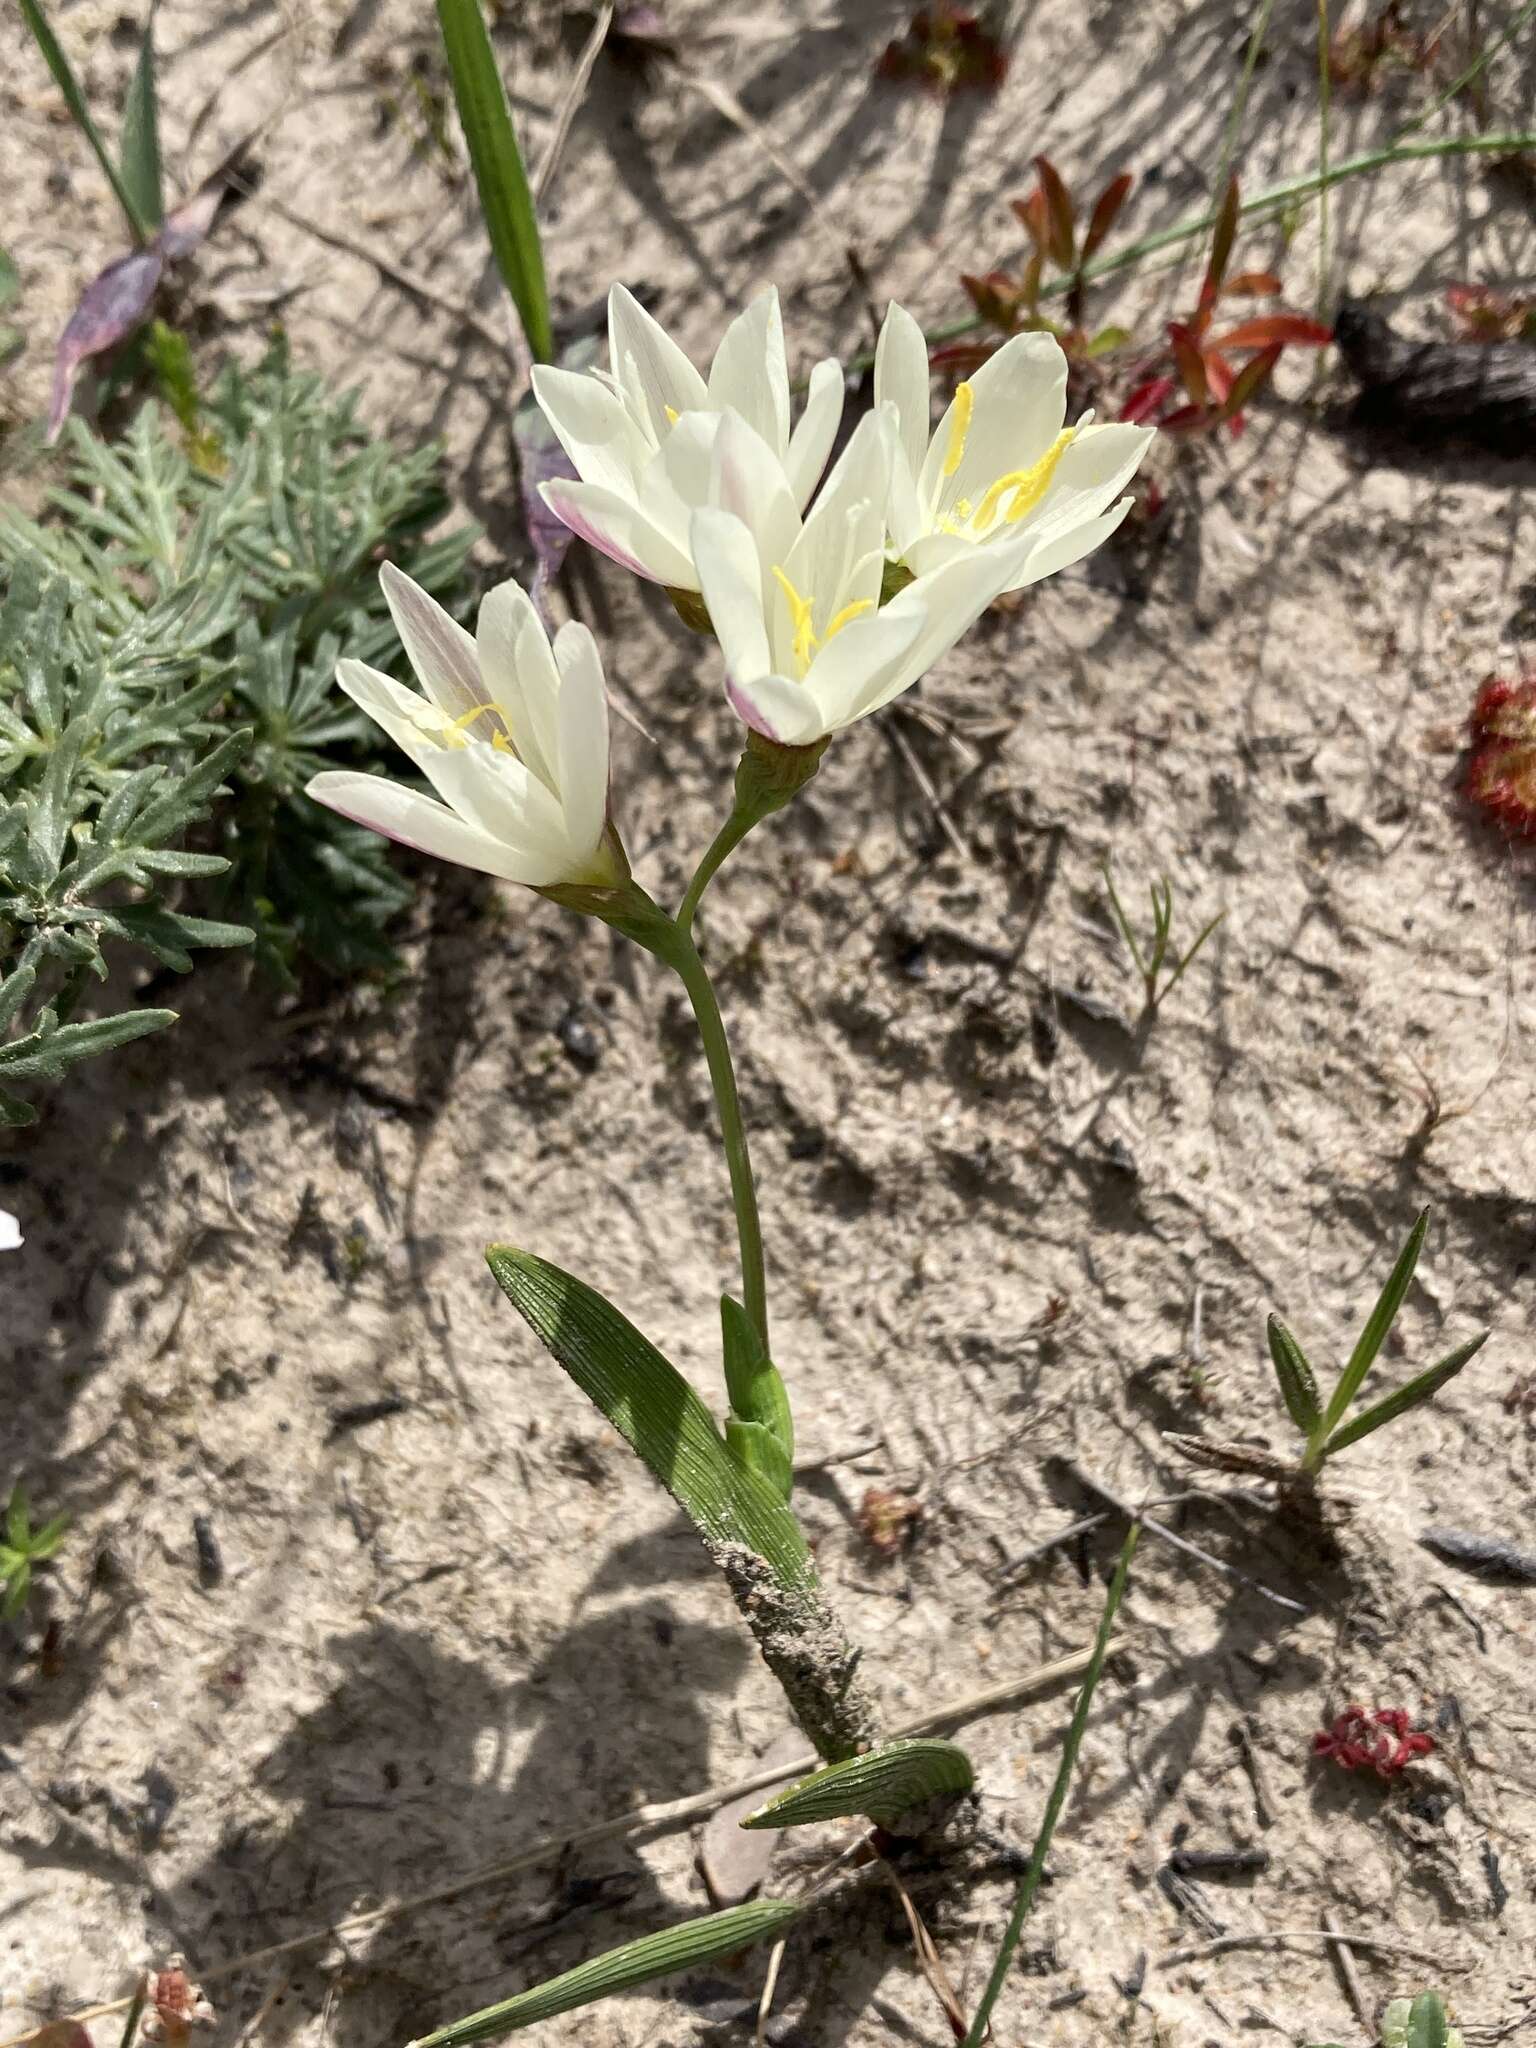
[
  {"x": 757, "y": 1393},
  {"x": 754, "y": 1446},
  {"x": 505, "y": 199},
  {"x": 882, "y": 1784},
  {"x": 1427, "y": 2023},
  {"x": 1417, "y": 1390},
  {"x": 1298, "y": 1388},
  {"x": 654, "y": 1409},
  {"x": 17, "y": 1523},
  {"x": 638, "y": 1962},
  {"x": 1381, "y": 1319},
  {"x": 15, "y": 1114},
  {"x": 139, "y": 143},
  {"x": 43, "y": 1057},
  {"x": 64, "y": 78}
]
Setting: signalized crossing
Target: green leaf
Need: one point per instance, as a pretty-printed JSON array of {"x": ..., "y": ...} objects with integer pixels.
[
  {"x": 18, "y": 1525},
  {"x": 1106, "y": 341},
  {"x": 654, "y": 1409},
  {"x": 882, "y": 1784},
  {"x": 45, "y": 1054},
  {"x": 638, "y": 1962},
  {"x": 54, "y": 57},
  {"x": 1298, "y": 1388},
  {"x": 757, "y": 1393},
  {"x": 19, "y": 1584},
  {"x": 1427, "y": 2023},
  {"x": 10, "y": 280},
  {"x": 505, "y": 199},
  {"x": 48, "y": 1538},
  {"x": 139, "y": 143},
  {"x": 1417, "y": 1390},
  {"x": 15, "y": 1114},
  {"x": 755, "y": 1448},
  {"x": 1382, "y": 1317}
]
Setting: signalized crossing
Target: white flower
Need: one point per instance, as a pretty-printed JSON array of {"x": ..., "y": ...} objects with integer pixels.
[
  {"x": 808, "y": 647},
  {"x": 11, "y": 1239},
  {"x": 1002, "y": 464},
  {"x": 641, "y": 437},
  {"x": 512, "y": 736}
]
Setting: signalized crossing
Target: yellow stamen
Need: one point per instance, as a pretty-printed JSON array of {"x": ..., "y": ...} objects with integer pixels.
[
  {"x": 1028, "y": 486},
  {"x": 453, "y": 732},
  {"x": 849, "y": 611},
  {"x": 671, "y": 413},
  {"x": 799, "y": 616},
  {"x": 959, "y": 426}
]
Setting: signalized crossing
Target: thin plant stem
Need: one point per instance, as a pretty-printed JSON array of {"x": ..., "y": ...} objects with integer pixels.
[
  {"x": 725, "y": 842},
  {"x": 1173, "y": 980},
  {"x": 1149, "y": 981},
  {"x": 1324, "y": 115},
  {"x": 1479, "y": 63},
  {"x": 1240, "y": 97},
  {"x": 1029, "y": 1884},
  {"x": 694, "y": 976}
]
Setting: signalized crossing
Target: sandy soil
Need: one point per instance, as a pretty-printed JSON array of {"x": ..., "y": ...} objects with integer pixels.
[{"x": 993, "y": 1212}]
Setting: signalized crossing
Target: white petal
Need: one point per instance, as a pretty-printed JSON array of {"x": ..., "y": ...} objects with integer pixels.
[
  {"x": 414, "y": 820},
  {"x": 747, "y": 479},
  {"x": 932, "y": 550},
  {"x": 731, "y": 579},
  {"x": 11, "y": 1239},
  {"x": 583, "y": 714},
  {"x": 620, "y": 530},
  {"x": 749, "y": 374},
  {"x": 648, "y": 363},
  {"x": 777, "y": 708},
  {"x": 518, "y": 673},
  {"x": 951, "y": 600},
  {"x": 816, "y": 429},
  {"x": 901, "y": 379},
  {"x": 1094, "y": 469},
  {"x": 593, "y": 427},
  {"x": 504, "y": 798},
  {"x": 676, "y": 480},
  {"x": 413, "y": 722},
  {"x": 1070, "y": 546},
  {"x": 1018, "y": 403},
  {"x": 441, "y": 652},
  {"x": 855, "y": 664},
  {"x": 839, "y": 557}
]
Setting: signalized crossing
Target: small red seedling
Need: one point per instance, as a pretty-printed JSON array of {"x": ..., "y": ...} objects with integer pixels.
[
  {"x": 1501, "y": 775},
  {"x": 1385, "y": 1741},
  {"x": 1383, "y": 41},
  {"x": 1012, "y": 304},
  {"x": 1483, "y": 314},
  {"x": 946, "y": 49},
  {"x": 1215, "y": 385}
]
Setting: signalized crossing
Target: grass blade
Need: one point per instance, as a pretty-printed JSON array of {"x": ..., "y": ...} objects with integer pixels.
[
  {"x": 1407, "y": 1397},
  {"x": 64, "y": 78},
  {"x": 139, "y": 144},
  {"x": 505, "y": 199},
  {"x": 882, "y": 1784},
  {"x": 1029, "y": 1884},
  {"x": 1298, "y": 1387},
  {"x": 637, "y": 1962},
  {"x": 1382, "y": 1317}
]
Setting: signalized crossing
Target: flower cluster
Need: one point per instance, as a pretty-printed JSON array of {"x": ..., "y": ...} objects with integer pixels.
[
  {"x": 827, "y": 602},
  {"x": 1384, "y": 1741}
]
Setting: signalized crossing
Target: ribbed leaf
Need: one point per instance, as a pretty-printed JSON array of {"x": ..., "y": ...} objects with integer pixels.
[
  {"x": 637, "y": 1962},
  {"x": 754, "y": 1447},
  {"x": 1417, "y": 1390},
  {"x": 139, "y": 143},
  {"x": 757, "y": 1395},
  {"x": 505, "y": 199},
  {"x": 1382, "y": 1317},
  {"x": 53, "y": 56},
  {"x": 654, "y": 1409},
  {"x": 883, "y": 1784},
  {"x": 1229, "y": 1457},
  {"x": 1298, "y": 1388}
]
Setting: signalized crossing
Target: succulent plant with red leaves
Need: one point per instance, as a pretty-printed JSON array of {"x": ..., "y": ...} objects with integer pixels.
[
  {"x": 946, "y": 49},
  {"x": 1384, "y": 1741},
  {"x": 1501, "y": 775},
  {"x": 1011, "y": 305},
  {"x": 1216, "y": 387},
  {"x": 1483, "y": 314},
  {"x": 1383, "y": 41}
]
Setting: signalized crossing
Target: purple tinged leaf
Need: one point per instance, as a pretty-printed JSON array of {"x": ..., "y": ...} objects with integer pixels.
[{"x": 110, "y": 308}]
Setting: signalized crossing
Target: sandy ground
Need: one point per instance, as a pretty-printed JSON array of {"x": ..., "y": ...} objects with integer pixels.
[{"x": 998, "y": 1217}]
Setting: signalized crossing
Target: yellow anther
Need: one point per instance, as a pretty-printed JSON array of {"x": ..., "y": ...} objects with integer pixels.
[
  {"x": 454, "y": 731},
  {"x": 799, "y": 617},
  {"x": 849, "y": 611},
  {"x": 1026, "y": 486},
  {"x": 959, "y": 426},
  {"x": 671, "y": 413}
]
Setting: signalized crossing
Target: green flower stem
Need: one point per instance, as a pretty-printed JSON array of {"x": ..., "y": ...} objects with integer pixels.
[
  {"x": 683, "y": 957},
  {"x": 725, "y": 841}
]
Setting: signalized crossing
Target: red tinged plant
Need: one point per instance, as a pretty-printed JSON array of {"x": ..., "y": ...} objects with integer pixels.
[
  {"x": 1483, "y": 314},
  {"x": 1384, "y": 1741},
  {"x": 1207, "y": 367},
  {"x": 1501, "y": 774},
  {"x": 946, "y": 49}
]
